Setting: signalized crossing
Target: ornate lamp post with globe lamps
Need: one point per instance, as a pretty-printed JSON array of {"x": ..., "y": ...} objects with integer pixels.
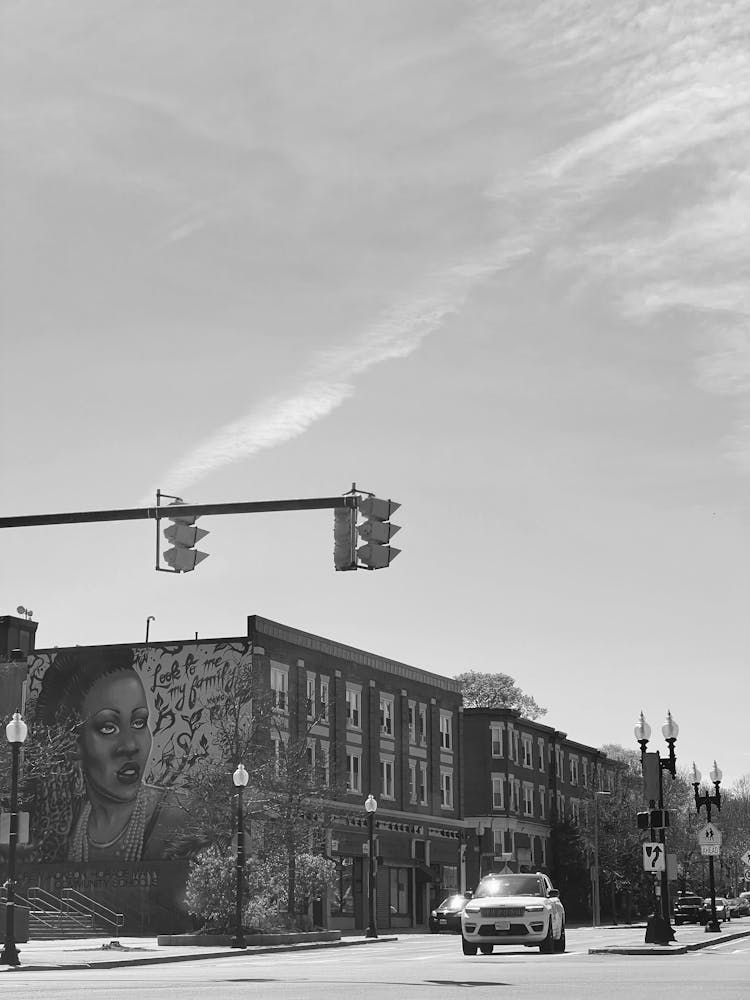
[
  {"x": 240, "y": 779},
  {"x": 707, "y": 800},
  {"x": 371, "y": 807},
  {"x": 16, "y": 731},
  {"x": 658, "y": 929}
]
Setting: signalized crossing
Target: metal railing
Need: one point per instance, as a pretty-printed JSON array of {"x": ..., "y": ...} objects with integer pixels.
[{"x": 76, "y": 903}]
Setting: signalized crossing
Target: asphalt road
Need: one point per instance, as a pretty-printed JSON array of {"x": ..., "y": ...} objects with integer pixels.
[{"x": 416, "y": 967}]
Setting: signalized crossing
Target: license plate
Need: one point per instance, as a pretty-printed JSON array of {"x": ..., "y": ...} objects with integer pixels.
[{"x": 502, "y": 925}]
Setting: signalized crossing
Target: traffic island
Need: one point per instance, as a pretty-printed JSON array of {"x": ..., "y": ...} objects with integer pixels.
[{"x": 251, "y": 940}]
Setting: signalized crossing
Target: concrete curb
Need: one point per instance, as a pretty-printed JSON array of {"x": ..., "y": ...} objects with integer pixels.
[
  {"x": 670, "y": 949},
  {"x": 201, "y": 956}
]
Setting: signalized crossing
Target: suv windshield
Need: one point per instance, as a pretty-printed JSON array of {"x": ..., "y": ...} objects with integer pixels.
[
  {"x": 689, "y": 901},
  {"x": 511, "y": 885}
]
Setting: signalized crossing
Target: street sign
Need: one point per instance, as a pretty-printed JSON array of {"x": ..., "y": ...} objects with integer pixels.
[
  {"x": 710, "y": 850},
  {"x": 747, "y": 875},
  {"x": 745, "y": 859},
  {"x": 708, "y": 835},
  {"x": 654, "y": 858}
]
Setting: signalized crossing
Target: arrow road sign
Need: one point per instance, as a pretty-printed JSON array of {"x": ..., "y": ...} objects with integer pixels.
[
  {"x": 708, "y": 835},
  {"x": 654, "y": 858}
]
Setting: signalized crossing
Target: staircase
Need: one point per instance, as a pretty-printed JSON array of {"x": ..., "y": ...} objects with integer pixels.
[{"x": 71, "y": 916}]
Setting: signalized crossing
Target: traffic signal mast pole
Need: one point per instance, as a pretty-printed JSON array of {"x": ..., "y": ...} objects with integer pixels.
[{"x": 179, "y": 510}]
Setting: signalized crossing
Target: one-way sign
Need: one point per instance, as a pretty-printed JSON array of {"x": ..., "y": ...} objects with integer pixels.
[
  {"x": 709, "y": 836},
  {"x": 654, "y": 858}
]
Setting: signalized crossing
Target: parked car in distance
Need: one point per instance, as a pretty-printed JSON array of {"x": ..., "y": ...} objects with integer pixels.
[
  {"x": 739, "y": 907},
  {"x": 447, "y": 916},
  {"x": 513, "y": 909},
  {"x": 687, "y": 909},
  {"x": 722, "y": 909}
]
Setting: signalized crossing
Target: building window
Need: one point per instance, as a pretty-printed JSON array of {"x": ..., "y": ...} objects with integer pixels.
[
  {"x": 528, "y": 800},
  {"x": 422, "y": 725},
  {"x": 515, "y": 788},
  {"x": 498, "y": 842},
  {"x": 542, "y": 801},
  {"x": 497, "y": 740},
  {"x": 324, "y": 699},
  {"x": 386, "y": 777},
  {"x": 450, "y": 879},
  {"x": 278, "y": 744},
  {"x": 310, "y": 755},
  {"x": 498, "y": 792},
  {"x": 386, "y": 715},
  {"x": 353, "y": 696},
  {"x": 311, "y": 696},
  {"x": 573, "y": 770},
  {"x": 399, "y": 891},
  {"x": 324, "y": 767},
  {"x": 446, "y": 788},
  {"x": 528, "y": 751},
  {"x": 540, "y": 745},
  {"x": 280, "y": 688},
  {"x": 342, "y": 901},
  {"x": 413, "y": 782},
  {"x": 558, "y": 762},
  {"x": 446, "y": 742},
  {"x": 422, "y": 783},
  {"x": 412, "y": 722},
  {"x": 585, "y": 766},
  {"x": 516, "y": 742},
  {"x": 575, "y": 811},
  {"x": 353, "y": 768},
  {"x": 560, "y": 807}
]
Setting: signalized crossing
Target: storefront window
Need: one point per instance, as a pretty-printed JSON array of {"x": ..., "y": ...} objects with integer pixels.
[
  {"x": 399, "y": 886},
  {"x": 343, "y": 893}
]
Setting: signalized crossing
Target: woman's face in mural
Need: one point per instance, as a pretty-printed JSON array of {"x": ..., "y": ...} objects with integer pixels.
[{"x": 114, "y": 738}]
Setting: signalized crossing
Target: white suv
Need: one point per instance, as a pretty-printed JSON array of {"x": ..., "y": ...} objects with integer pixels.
[{"x": 513, "y": 909}]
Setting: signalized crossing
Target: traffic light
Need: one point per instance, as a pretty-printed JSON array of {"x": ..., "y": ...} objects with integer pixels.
[
  {"x": 344, "y": 538},
  {"x": 644, "y": 820},
  {"x": 376, "y": 532},
  {"x": 183, "y": 535}
]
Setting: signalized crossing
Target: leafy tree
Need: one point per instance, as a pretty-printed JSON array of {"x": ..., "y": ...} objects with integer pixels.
[
  {"x": 496, "y": 690},
  {"x": 569, "y": 868}
]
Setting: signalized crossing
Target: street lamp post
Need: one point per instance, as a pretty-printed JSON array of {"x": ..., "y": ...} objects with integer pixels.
[
  {"x": 240, "y": 779},
  {"x": 659, "y": 929},
  {"x": 707, "y": 800},
  {"x": 16, "y": 731},
  {"x": 371, "y": 807}
]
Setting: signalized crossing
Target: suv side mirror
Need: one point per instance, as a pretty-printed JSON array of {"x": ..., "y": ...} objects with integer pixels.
[
  {"x": 554, "y": 893},
  {"x": 468, "y": 894}
]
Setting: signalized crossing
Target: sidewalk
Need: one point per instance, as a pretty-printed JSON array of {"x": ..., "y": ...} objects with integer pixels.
[
  {"x": 88, "y": 953},
  {"x": 629, "y": 939}
]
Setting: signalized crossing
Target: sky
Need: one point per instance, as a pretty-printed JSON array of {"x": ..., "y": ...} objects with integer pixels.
[{"x": 486, "y": 259}]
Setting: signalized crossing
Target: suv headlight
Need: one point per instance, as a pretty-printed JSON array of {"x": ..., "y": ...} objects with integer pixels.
[
  {"x": 471, "y": 909},
  {"x": 535, "y": 908}
]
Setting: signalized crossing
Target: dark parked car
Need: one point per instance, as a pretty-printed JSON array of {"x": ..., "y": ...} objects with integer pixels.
[
  {"x": 722, "y": 909},
  {"x": 687, "y": 909},
  {"x": 447, "y": 916},
  {"x": 739, "y": 907}
]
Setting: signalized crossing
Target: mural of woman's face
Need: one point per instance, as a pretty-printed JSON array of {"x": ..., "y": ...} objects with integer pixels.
[{"x": 114, "y": 739}]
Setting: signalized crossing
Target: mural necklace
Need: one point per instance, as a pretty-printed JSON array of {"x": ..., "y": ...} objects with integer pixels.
[{"x": 127, "y": 845}]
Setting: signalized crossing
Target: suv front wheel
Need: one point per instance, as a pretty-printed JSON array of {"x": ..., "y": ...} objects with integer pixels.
[
  {"x": 548, "y": 945},
  {"x": 468, "y": 949}
]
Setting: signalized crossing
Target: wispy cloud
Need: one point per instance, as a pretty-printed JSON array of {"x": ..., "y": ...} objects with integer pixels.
[{"x": 645, "y": 190}]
